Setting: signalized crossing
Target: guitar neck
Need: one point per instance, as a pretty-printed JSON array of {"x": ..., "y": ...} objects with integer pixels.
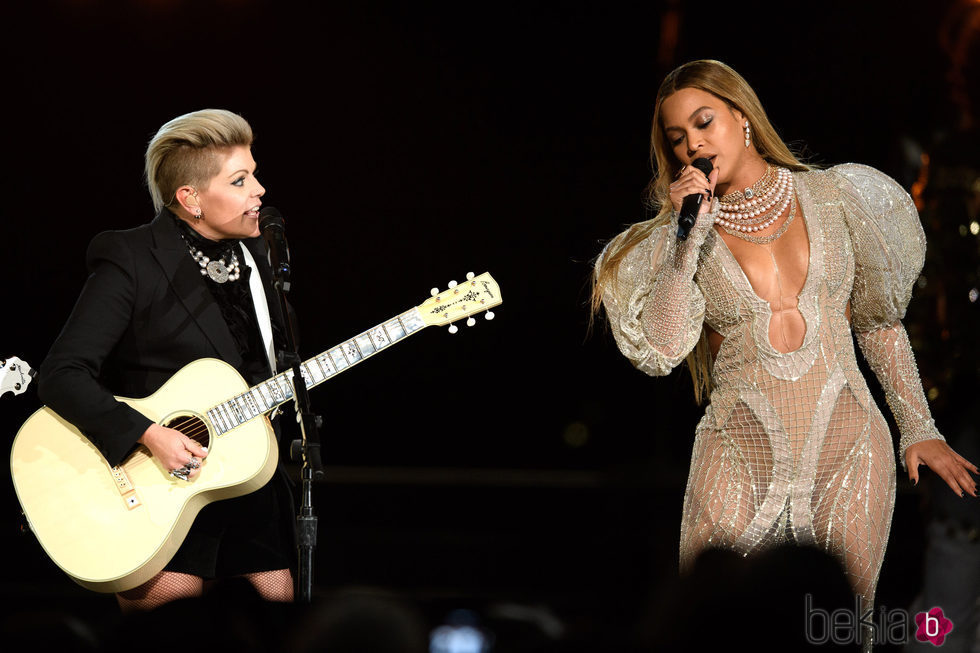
[{"x": 269, "y": 395}]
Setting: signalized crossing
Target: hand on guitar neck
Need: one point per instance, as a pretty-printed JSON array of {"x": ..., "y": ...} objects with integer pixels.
[{"x": 172, "y": 448}]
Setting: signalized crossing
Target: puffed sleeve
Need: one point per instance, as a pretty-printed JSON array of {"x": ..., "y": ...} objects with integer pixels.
[
  {"x": 654, "y": 307},
  {"x": 889, "y": 245},
  {"x": 889, "y": 251},
  {"x": 69, "y": 376}
]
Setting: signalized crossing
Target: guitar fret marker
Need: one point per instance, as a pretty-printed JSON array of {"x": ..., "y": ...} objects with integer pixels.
[
  {"x": 285, "y": 386},
  {"x": 276, "y": 391},
  {"x": 319, "y": 365},
  {"x": 326, "y": 364},
  {"x": 239, "y": 415},
  {"x": 250, "y": 403},
  {"x": 307, "y": 379},
  {"x": 394, "y": 329},
  {"x": 240, "y": 411},
  {"x": 259, "y": 399},
  {"x": 379, "y": 338},
  {"x": 351, "y": 351}
]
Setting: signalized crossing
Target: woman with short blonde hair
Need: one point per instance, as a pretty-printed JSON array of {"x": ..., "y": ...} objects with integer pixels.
[
  {"x": 188, "y": 149},
  {"x": 192, "y": 283}
]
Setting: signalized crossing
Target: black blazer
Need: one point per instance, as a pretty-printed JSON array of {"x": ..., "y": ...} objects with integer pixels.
[{"x": 143, "y": 313}]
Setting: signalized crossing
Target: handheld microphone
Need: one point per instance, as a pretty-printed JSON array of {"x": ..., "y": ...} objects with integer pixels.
[
  {"x": 692, "y": 203},
  {"x": 274, "y": 231}
]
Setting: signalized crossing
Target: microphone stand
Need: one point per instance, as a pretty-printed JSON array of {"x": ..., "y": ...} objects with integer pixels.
[{"x": 307, "y": 448}]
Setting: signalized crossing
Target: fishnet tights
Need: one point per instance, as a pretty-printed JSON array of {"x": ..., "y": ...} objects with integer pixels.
[
  {"x": 167, "y": 586},
  {"x": 274, "y": 585}
]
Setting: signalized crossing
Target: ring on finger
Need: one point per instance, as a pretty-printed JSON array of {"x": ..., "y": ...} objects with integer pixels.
[{"x": 194, "y": 463}]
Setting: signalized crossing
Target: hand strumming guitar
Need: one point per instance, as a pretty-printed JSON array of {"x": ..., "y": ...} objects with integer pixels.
[{"x": 173, "y": 449}]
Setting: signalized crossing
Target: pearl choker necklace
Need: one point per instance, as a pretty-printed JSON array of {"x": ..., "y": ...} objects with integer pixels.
[
  {"x": 218, "y": 271},
  {"x": 763, "y": 187},
  {"x": 764, "y": 202}
]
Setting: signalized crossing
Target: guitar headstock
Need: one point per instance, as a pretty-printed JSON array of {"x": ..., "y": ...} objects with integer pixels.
[
  {"x": 15, "y": 375},
  {"x": 461, "y": 300}
]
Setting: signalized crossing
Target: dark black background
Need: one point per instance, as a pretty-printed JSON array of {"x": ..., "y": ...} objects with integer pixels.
[{"x": 405, "y": 145}]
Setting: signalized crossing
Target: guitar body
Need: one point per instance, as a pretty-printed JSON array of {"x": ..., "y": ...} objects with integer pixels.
[{"x": 112, "y": 529}]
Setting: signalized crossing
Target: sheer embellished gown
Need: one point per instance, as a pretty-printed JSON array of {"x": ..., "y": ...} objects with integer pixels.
[{"x": 791, "y": 447}]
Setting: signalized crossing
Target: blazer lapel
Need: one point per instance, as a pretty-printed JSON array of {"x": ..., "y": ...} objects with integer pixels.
[{"x": 185, "y": 278}]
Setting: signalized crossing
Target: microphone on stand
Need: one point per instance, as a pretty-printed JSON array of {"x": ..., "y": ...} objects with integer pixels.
[
  {"x": 691, "y": 204},
  {"x": 307, "y": 448},
  {"x": 274, "y": 231}
]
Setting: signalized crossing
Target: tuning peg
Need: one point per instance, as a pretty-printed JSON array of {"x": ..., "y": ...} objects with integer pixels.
[
  {"x": 489, "y": 315},
  {"x": 470, "y": 322},
  {"x": 469, "y": 275},
  {"x": 434, "y": 292},
  {"x": 452, "y": 284},
  {"x": 453, "y": 328}
]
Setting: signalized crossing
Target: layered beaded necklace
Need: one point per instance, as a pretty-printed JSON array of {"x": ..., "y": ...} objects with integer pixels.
[
  {"x": 216, "y": 270},
  {"x": 759, "y": 206}
]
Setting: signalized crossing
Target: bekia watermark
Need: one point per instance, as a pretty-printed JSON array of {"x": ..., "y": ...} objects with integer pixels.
[
  {"x": 933, "y": 626},
  {"x": 844, "y": 626}
]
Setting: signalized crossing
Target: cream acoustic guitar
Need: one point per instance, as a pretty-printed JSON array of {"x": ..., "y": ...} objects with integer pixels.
[{"x": 113, "y": 528}]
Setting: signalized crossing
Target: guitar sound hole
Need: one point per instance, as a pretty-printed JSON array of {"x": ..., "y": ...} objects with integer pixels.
[{"x": 193, "y": 427}]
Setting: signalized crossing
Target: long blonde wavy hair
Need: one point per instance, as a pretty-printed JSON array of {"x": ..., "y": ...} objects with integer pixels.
[{"x": 724, "y": 83}]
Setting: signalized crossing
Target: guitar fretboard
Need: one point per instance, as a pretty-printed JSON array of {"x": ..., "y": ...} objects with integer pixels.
[{"x": 268, "y": 395}]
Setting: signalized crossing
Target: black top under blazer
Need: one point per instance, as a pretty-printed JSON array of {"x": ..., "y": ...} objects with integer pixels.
[{"x": 145, "y": 311}]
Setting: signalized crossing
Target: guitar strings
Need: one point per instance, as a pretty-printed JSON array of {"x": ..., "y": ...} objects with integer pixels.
[{"x": 194, "y": 425}]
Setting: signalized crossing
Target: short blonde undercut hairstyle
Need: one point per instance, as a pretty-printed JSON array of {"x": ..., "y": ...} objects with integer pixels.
[{"x": 187, "y": 150}]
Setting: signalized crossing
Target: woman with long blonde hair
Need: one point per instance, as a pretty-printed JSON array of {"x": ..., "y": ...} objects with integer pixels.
[{"x": 782, "y": 265}]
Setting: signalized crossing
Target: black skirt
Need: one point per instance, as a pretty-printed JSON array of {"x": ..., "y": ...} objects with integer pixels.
[{"x": 247, "y": 534}]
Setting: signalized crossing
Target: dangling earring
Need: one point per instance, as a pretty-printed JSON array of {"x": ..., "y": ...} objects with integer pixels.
[
  {"x": 197, "y": 211},
  {"x": 748, "y": 134}
]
